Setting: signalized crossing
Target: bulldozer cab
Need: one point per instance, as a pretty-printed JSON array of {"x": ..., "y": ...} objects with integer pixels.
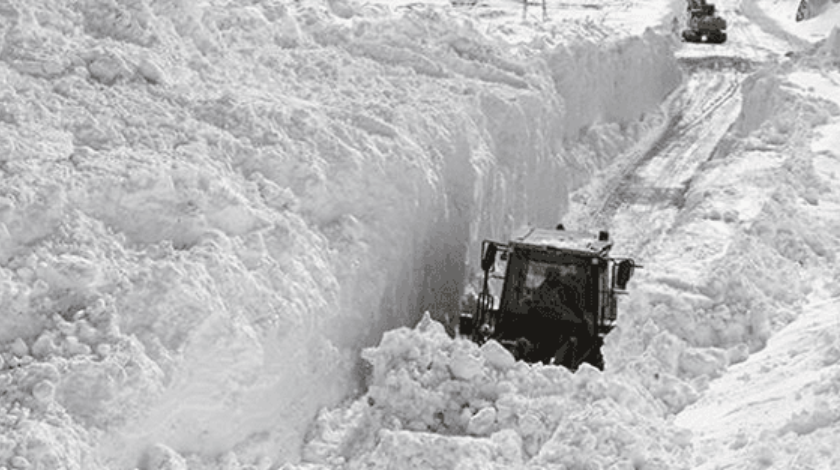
[
  {"x": 553, "y": 285},
  {"x": 706, "y": 9},
  {"x": 549, "y": 296}
]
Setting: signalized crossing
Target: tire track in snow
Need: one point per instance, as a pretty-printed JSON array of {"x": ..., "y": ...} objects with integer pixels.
[
  {"x": 659, "y": 173},
  {"x": 596, "y": 204},
  {"x": 680, "y": 159}
]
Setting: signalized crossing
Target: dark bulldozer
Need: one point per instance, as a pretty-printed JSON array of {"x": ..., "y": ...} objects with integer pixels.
[
  {"x": 548, "y": 296},
  {"x": 703, "y": 24}
]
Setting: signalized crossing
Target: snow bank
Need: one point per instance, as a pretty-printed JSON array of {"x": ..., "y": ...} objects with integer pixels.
[
  {"x": 753, "y": 245},
  {"x": 810, "y": 9},
  {"x": 781, "y": 407},
  {"x": 753, "y": 241},
  {"x": 435, "y": 402},
  {"x": 208, "y": 209},
  {"x": 820, "y": 17}
]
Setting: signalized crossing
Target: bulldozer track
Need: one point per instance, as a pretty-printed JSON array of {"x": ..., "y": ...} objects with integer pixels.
[
  {"x": 722, "y": 63},
  {"x": 613, "y": 194},
  {"x": 593, "y": 214},
  {"x": 651, "y": 195}
]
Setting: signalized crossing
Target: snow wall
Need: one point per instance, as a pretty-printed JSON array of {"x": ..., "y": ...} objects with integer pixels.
[{"x": 208, "y": 209}]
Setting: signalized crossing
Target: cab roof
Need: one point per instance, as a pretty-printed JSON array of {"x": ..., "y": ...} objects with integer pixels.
[{"x": 582, "y": 243}]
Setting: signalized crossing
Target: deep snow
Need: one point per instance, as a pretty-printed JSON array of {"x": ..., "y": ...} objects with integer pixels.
[{"x": 208, "y": 210}]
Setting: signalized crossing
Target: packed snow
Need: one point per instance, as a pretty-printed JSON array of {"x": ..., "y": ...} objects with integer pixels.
[{"x": 221, "y": 224}]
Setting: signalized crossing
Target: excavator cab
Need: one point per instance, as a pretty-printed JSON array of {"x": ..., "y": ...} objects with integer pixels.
[
  {"x": 549, "y": 296},
  {"x": 703, "y": 24}
]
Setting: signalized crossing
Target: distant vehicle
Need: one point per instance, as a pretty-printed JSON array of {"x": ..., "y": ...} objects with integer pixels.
[
  {"x": 557, "y": 298},
  {"x": 703, "y": 24}
]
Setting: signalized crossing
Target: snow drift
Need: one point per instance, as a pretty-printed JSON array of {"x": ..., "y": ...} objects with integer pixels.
[
  {"x": 439, "y": 403},
  {"x": 812, "y": 8},
  {"x": 208, "y": 209}
]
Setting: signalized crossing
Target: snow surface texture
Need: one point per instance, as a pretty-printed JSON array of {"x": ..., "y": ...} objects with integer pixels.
[
  {"x": 823, "y": 17},
  {"x": 435, "y": 402},
  {"x": 209, "y": 208},
  {"x": 726, "y": 352}
]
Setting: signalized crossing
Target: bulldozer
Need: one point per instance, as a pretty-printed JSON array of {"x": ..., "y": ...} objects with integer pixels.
[
  {"x": 703, "y": 24},
  {"x": 548, "y": 295}
]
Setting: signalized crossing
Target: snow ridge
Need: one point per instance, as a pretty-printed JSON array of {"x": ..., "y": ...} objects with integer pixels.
[{"x": 208, "y": 209}]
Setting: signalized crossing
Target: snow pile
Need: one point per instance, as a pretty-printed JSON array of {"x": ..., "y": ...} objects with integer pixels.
[
  {"x": 822, "y": 17},
  {"x": 435, "y": 402},
  {"x": 831, "y": 46},
  {"x": 809, "y": 9},
  {"x": 749, "y": 247},
  {"x": 754, "y": 244},
  {"x": 781, "y": 408},
  {"x": 208, "y": 209}
]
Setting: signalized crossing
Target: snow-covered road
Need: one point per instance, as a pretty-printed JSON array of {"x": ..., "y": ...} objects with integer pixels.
[{"x": 650, "y": 185}]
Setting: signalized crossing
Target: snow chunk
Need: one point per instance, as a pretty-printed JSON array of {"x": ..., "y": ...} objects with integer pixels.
[
  {"x": 45, "y": 345},
  {"x": 161, "y": 457},
  {"x": 44, "y": 391},
  {"x": 831, "y": 46},
  {"x": 807, "y": 421},
  {"x": 19, "y": 348},
  {"x": 150, "y": 69},
  {"x": 738, "y": 353},
  {"x": 497, "y": 355},
  {"x": 19, "y": 462},
  {"x": 707, "y": 361},
  {"x": 107, "y": 67},
  {"x": 466, "y": 364},
  {"x": 482, "y": 422}
]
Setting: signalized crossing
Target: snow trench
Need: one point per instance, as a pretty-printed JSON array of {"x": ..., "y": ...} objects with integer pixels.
[
  {"x": 747, "y": 264},
  {"x": 208, "y": 209}
]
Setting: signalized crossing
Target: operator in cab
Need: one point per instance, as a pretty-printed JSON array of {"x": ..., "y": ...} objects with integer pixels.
[{"x": 557, "y": 321}]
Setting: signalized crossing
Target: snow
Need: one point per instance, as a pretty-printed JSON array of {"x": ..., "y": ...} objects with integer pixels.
[
  {"x": 220, "y": 224},
  {"x": 784, "y": 396},
  {"x": 421, "y": 412},
  {"x": 783, "y": 12}
]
